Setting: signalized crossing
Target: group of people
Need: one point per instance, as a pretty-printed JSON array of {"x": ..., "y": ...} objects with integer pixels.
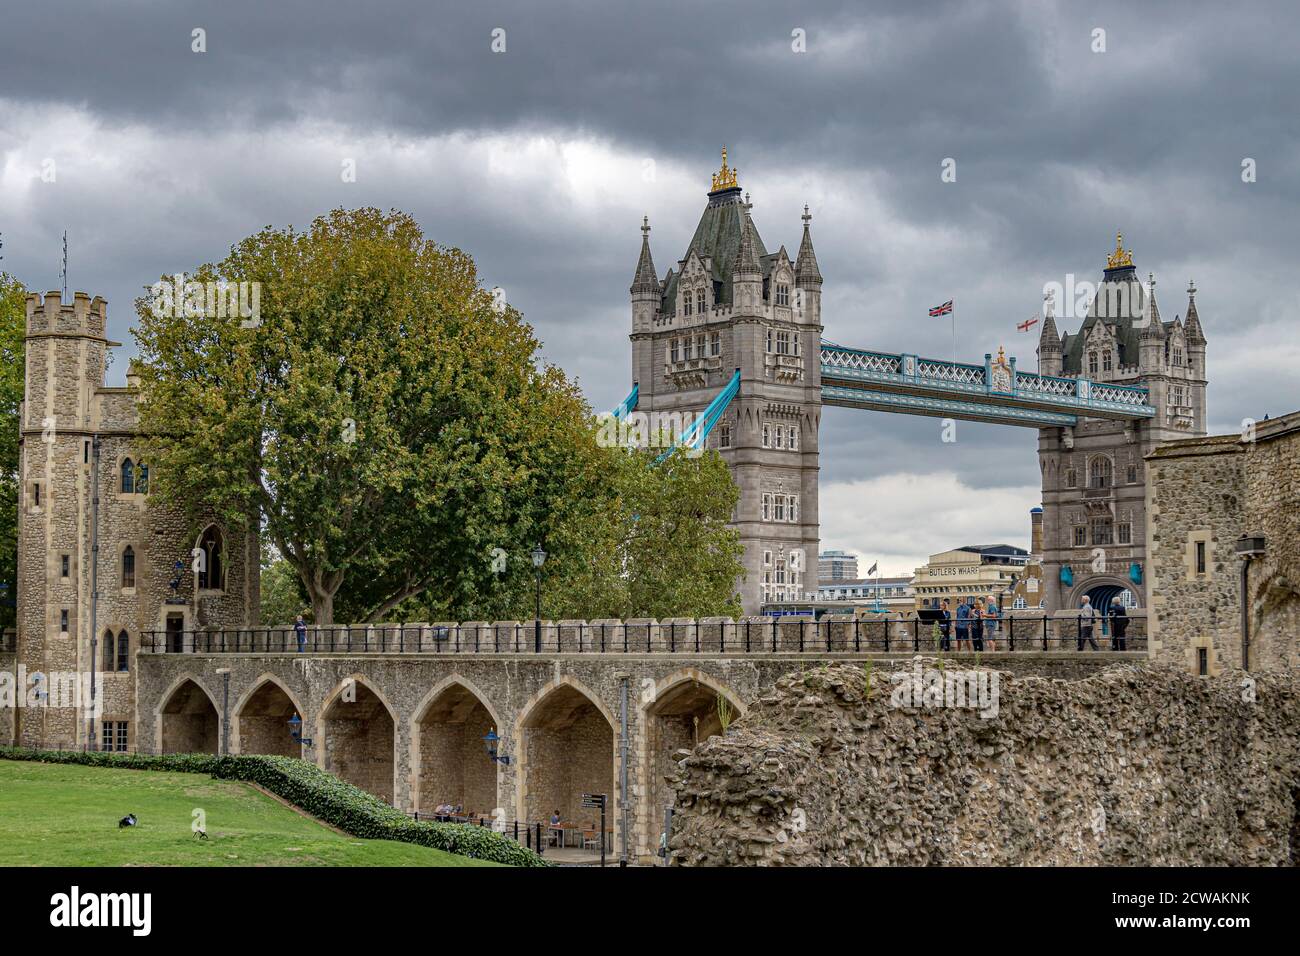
[
  {"x": 1088, "y": 616},
  {"x": 443, "y": 812},
  {"x": 977, "y": 624}
]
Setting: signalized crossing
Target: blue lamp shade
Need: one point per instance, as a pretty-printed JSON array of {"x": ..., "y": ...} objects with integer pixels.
[
  {"x": 1135, "y": 573},
  {"x": 1067, "y": 575},
  {"x": 295, "y": 723}
]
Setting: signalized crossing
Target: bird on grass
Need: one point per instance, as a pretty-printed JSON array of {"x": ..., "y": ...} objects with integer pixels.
[{"x": 127, "y": 821}]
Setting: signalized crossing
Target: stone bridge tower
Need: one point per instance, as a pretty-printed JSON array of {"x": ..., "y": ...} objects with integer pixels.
[
  {"x": 727, "y": 305},
  {"x": 1094, "y": 476}
]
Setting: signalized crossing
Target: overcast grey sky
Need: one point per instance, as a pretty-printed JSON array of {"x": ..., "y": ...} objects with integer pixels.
[{"x": 541, "y": 160}]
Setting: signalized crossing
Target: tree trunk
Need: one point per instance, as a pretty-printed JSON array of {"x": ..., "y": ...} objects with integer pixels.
[{"x": 322, "y": 607}]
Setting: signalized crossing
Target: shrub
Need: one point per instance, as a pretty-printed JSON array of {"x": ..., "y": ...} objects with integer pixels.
[{"x": 321, "y": 794}]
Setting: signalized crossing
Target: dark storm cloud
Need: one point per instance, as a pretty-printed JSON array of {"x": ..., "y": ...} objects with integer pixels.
[{"x": 166, "y": 157}]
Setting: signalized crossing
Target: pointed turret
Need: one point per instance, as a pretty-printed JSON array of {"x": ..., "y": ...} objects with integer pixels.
[
  {"x": 1049, "y": 340},
  {"x": 1154, "y": 328},
  {"x": 1195, "y": 334},
  {"x": 806, "y": 273},
  {"x": 646, "y": 279},
  {"x": 746, "y": 262}
]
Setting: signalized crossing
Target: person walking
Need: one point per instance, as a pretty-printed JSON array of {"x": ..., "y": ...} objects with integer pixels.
[
  {"x": 963, "y": 623},
  {"x": 976, "y": 625},
  {"x": 992, "y": 621},
  {"x": 300, "y": 631},
  {"x": 945, "y": 626},
  {"x": 1118, "y": 627},
  {"x": 1087, "y": 618}
]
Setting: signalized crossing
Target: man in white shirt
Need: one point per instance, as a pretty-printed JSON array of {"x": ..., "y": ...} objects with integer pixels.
[{"x": 1087, "y": 617}]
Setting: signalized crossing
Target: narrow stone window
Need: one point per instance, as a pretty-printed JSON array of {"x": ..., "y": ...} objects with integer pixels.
[
  {"x": 128, "y": 567},
  {"x": 1200, "y": 557},
  {"x": 1202, "y": 661},
  {"x": 123, "y": 652},
  {"x": 63, "y": 621},
  {"x": 63, "y": 559},
  {"x": 128, "y": 477}
]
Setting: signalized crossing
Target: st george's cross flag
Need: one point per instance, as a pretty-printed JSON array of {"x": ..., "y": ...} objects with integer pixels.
[
  {"x": 939, "y": 310},
  {"x": 1028, "y": 324}
]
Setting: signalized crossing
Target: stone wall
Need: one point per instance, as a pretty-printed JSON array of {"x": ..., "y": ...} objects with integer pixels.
[
  {"x": 1132, "y": 766},
  {"x": 1209, "y": 492},
  {"x": 558, "y": 717}
]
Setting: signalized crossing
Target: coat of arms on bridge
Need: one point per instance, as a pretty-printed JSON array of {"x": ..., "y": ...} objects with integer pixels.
[{"x": 1000, "y": 374}]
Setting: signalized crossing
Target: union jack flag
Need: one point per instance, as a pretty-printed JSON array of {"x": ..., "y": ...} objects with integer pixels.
[
  {"x": 1028, "y": 324},
  {"x": 944, "y": 309}
]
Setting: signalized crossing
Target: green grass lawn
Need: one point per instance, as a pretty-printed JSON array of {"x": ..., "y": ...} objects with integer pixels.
[{"x": 63, "y": 815}]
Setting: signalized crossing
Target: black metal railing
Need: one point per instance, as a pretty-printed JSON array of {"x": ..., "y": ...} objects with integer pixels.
[
  {"x": 687, "y": 637},
  {"x": 533, "y": 834}
]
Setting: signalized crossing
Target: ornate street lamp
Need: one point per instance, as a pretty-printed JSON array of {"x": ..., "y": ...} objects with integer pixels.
[
  {"x": 539, "y": 558},
  {"x": 295, "y": 731},
  {"x": 490, "y": 741}
]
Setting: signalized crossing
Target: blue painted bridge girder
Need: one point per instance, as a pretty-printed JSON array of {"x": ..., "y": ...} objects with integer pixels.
[{"x": 993, "y": 392}]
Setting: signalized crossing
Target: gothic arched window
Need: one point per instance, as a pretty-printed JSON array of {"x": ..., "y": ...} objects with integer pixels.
[
  {"x": 110, "y": 657},
  {"x": 1099, "y": 472},
  {"x": 142, "y": 478},
  {"x": 123, "y": 651},
  {"x": 128, "y": 477},
  {"x": 210, "y": 569},
  {"x": 128, "y": 567}
]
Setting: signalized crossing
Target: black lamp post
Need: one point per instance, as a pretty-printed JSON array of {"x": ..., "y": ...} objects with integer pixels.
[
  {"x": 1248, "y": 548},
  {"x": 490, "y": 741},
  {"x": 295, "y": 731},
  {"x": 539, "y": 558}
]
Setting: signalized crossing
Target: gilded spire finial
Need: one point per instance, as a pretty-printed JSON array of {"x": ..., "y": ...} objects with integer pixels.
[
  {"x": 725, "y": 178},
  {"x": 806, "y": 217},
  {"x": 645, "y": 225},
  {"x": 1121, "y": 257}
]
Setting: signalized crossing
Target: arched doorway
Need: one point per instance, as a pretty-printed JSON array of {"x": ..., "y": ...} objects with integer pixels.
[
  {"x": 357, "y": 726},
  {"x": 1104, "y": 593},
  {"x": 566, "y": 749},
  {"x": 452, "y": 765},
  {"x": 262, "y": 721},
  {"x": 188, "y": 721},
  {"x": 686, "y": 710}
]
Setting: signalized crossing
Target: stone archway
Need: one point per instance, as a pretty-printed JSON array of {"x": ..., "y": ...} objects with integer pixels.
[
  {"x": 450, "y": 761},
  {"x": 1275, "y": 625},
  {"x": 356, "y": 738},
  {"x": 566, "y": 747},
  {"x": 684, "y": 710},
  {"x": 188, "y": 722},
  {"x": 261, "y": 720}
]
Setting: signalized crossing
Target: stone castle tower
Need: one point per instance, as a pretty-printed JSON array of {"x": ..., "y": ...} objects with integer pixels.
[
  {"x": 730, "y": 305},
  {"x": 1094, "y": 477},
  {"x": 96, "y": 561}
]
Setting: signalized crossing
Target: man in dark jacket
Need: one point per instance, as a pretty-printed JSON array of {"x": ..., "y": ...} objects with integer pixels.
[{"x": 1118, "y": 627}]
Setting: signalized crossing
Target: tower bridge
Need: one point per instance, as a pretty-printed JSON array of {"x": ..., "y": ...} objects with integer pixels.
[{"x": 1101, "y": 399}]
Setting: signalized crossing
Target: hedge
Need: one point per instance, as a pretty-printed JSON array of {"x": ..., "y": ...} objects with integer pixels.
[{"x": 321, "y": 794}]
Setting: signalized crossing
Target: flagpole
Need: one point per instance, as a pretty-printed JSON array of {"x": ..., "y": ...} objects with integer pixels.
[{"x": 953, "y": 312}]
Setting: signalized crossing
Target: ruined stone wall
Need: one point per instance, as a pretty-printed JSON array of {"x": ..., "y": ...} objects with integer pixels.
[
  {"x": 1133, "y": 766},
  {"x": 518, "y": 691}
]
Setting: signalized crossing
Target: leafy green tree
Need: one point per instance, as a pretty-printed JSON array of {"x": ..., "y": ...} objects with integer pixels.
[
  {"x": 281, "y": 591},
  {"x": 13, "y": 319},
  {"x": 380, "y": 421}
]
